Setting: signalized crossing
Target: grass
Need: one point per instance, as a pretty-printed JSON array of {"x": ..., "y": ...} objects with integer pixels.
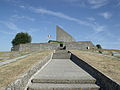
[
  {"x": 109, "y": 50},
  {"x": 52, "y": 41},
  {"x": 10, "y": 72},
  {"x": 12, "y": 54},
  {"x": 107, "y": 65},
  {"x": 1, "y": 59},
  {"x": 1, "y": 53}
]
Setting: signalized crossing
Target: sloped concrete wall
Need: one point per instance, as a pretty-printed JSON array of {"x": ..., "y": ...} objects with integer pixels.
[{"x": 61, "y": 35}]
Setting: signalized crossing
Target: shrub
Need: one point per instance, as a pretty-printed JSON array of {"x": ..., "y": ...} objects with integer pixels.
[
  {"x": 52, "y": 41},
  {"x": 21, "y": 38},
  {"x": 98, "y": 46}
]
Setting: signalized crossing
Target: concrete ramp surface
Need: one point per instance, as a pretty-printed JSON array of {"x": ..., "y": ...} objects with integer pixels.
[{"x": 62, "y": 74}]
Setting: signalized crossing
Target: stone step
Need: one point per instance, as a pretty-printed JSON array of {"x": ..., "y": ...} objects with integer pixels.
[
  {"x": 62, "y": 74},
  {"x": 61, "y": 51},
  {"x": 61, "y": 56},
  {"x": 62, "y": 71},
  {"x": 65, "y": 81},
  {"x": 46, "y": 86}
]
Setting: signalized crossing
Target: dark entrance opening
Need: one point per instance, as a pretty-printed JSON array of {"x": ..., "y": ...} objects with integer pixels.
[{"x": 61, "y": 44}]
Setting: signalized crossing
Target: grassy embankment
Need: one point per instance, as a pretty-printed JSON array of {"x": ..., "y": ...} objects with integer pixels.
[
  {"x": 10, "y": 55},
  {"x": 107, "y": 65},
  {"x": 10, "y": 72}
]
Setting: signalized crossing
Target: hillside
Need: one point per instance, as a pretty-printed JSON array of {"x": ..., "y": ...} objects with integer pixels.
[
  {"x": 107, "y": 64},
  {"x": 10, "y": 72}
]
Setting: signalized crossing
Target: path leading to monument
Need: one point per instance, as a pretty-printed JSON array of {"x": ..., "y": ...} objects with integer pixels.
[{"x": 62, "y": 74}]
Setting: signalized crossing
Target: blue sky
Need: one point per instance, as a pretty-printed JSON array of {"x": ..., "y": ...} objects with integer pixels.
[{"x": 86, "y": 20}]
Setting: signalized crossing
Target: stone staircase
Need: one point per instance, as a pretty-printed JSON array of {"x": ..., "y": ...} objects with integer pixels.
[{"x": 62, "y": 74}]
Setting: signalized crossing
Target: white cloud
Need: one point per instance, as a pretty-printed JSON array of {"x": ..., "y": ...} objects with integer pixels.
[
  {"x": 71, "y": 1},
  {"x": 10, "y": 25},
  {"x": 13, "y": 28},
  {"x": 58, "y": 14},
  {"x": 22, "y": 17},
  {"x": 99, "y": 28},
  {"x": 106, "y": 15},
  {"x": 22, "y": 6},
  {"x": 97, "y": 3},
  {"x": 91, "y": 18},
  {"x": 96, "y": 27},
  {"x": 6, "y": 32},
  {"x": 118, "y": 3},
  {"x": 78, "y": 3},
  {"x": 86, "y": 3}
]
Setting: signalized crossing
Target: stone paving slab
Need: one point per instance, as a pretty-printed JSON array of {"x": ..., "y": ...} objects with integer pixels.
[
  {"x": 61, "y": 51},
  {"x": 61, "y": 56},
  {"x": 62, "y": 71},
  {"x": 38, "y": 86}
]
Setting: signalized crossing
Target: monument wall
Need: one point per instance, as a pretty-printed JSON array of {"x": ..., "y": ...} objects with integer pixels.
[
  {"x": 61, "y": 35},
  {"x": 53, "y": 46},
  {"x": 38, "y": 46},
  {"x": 79, "y": 45}
]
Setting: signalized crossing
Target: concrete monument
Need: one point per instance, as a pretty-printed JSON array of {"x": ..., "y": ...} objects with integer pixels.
[
  {"x": 68, "y": 42},
  {"x": 61, "y": 35}
]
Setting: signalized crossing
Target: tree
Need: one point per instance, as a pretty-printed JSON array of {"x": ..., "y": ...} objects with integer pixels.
[
  {"x": 21, "y": 38},
  {"x": 98, "y": 46}
]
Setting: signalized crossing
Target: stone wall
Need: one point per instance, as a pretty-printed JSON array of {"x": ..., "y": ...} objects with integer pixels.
[
  {"x": 79, "y": 45},
  {"x": 15, "y": 48},
  {"x": 36, "y": 47},
  {"x": 21, "y": 82},
  {"x": 53, "y": 46}
]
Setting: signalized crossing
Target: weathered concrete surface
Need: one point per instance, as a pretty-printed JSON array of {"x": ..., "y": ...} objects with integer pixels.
[
  {"x": 38, "y": 86},
  {"x": 54, "y": 46},
  {"x": 61, "y": 56},
  {"x": 61, "y": 35},
  {"x": 62, "y": 71},
  {"x": 62, "y": 74}
]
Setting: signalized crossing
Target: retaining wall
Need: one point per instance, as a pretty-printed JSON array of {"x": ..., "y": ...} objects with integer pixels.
[
  {"x": 79, "y": 45},
  {"x": 38, "y": 46},
  {"x": 22, "y": 81},
  {"x": 53, "y": 46},
  {"x": 103, "y": 81}
]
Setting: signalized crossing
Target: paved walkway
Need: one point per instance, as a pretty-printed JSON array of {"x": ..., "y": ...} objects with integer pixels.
[
  {"x": 62, "y": 74},
  {"x": 13, "y": 60}
]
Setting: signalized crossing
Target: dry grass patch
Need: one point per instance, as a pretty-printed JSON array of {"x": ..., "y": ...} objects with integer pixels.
[
  {"x": 107, "y": 65},
  {"x": 7, "y": 55},
  {"x": 10, "y": 72}
]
